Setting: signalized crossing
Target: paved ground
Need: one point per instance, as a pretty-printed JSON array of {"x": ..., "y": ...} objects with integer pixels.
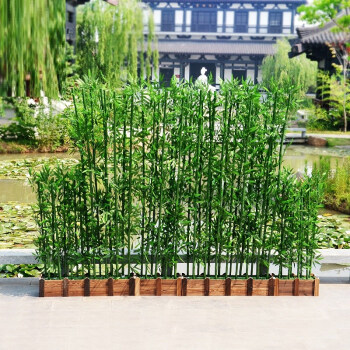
[{"x": 28, "y": 322}]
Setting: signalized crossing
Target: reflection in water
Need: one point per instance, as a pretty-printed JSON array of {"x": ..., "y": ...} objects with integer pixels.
[
  {"x": 16, "y": 191},
  {"x": 297, "y": 157},
  {"x": 38, "y": 155}
]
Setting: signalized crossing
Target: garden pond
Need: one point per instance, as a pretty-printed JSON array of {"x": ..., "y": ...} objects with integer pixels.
[{"x": 17, "y": 213}]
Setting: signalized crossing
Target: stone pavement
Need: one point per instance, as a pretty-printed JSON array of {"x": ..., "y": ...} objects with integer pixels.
[{"x": 240, "y": 323}]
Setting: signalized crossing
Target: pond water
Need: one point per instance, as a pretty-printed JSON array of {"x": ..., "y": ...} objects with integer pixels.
[{"x": 295, "y": 157}]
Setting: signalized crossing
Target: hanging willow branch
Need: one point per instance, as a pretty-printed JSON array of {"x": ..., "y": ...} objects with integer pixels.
[
  {"x": 110, "y": 41},
  {"x": 32, "y": 45}
]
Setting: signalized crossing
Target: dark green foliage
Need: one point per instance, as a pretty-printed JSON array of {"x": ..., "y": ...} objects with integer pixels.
[{"x": 173, "y": 180}]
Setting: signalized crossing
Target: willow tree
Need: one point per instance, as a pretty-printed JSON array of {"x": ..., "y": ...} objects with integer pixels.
[
  {"x": 298, "y": 71},
  {"x": 32, "y": 45},
  {"x": 111, "y": 43}
]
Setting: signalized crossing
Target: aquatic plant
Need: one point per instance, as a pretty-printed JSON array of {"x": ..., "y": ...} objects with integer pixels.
[{"x": 177, "y": 180}]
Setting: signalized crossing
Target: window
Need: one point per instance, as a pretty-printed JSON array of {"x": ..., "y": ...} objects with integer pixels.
[
  {"x": 241, "y": 21},
  {"x": 275, "y": 22},
  {"x": 203, "y": 21},
  {"x": 239, "y": 74},
  {"x": 168, "y": 20},
  {"x": 70, "y": 16}
]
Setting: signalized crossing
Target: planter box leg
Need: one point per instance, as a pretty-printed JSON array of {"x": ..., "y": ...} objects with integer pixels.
[
  {"x": 228, "y": 287},
  {"x": 41, "y": 287},
  {"x": 207, "y": 286},
  {"x": 86, "y": 287},
  {"x": 158, "y": 286},
  {"x": 134, "y": 286},
  {"x": 317, "y": 287},
  {"x": 65, "y": 285}
]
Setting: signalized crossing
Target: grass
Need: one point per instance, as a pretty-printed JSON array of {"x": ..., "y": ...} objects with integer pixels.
[{"x": 332, "y": 142}]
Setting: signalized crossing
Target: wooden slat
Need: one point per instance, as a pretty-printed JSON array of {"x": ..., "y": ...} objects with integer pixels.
[
  {"x": 41, "y": 287},
  {"x": 170, "y": 287},
  {"x": 195, "y": 287},
  {"x": 317, "y": 287},
  {"x": 276, "y": 288},
  {"x": 99, "y": 287},
  {"x": 207, "y": 286},
  {"x": 110, "y": 286},
  {"x": 184, "y": 287},
  {"x": 271, "y": 287},
  {"x": 158, "y": 286},
  {"x": 217, "y": 287},
  {"x": 296, "y": 287},
  {"x": 148, "y": 287},
  {"x": 179, "y": 286},
  {"x": 250, "y": 286},
  {"x": 76, "y": 288},
  {"x": 121, "y": 287},
  {"x": 228, "y": 285},
  {"x": 65, "y": 286},
  {"x": 86, "y": 287},
  {"x": 239, "y": 287},
  {"x": 286, "y": 287},
  {"x": 260, "y": 287},
  {"x": 306, "y": 287}
]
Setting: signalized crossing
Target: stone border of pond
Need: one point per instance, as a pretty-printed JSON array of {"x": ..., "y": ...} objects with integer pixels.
[{"x": 26, "y": 256}]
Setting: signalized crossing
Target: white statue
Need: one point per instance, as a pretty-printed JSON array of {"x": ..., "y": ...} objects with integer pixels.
[{"x": 203, "y": 80}]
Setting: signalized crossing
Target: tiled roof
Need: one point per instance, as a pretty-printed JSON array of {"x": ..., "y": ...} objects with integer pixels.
[
  {"x": 214, "y": 47},
  {"x": 321, "y": 35}
]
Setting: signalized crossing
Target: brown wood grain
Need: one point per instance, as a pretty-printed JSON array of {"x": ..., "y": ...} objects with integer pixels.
[
  {"x": 217, "y": 287},
  {"x": 179, "y": 286},
  {"x": 276, "y": 290},
  {"x": 271, "y": 286},
  {"x": 207, "y": 286},
  {"x": 306, "y": 288},
  {"x": 169, "y": 287},
  {"x": 158, "y": 286},
  {"x": 239, "y": 287},
  {"x": 250, "y": 286},
  {"x": 148, "y": 287},
  {"x": 296, "y": 287},
  {"x": 110, "y": 286},
  {"x": 228, "y": 286},
  {"x": 98, "y": 288},
  {"x": 65, "y": 287},
  {"x": 53, "y": 288},
  {"x": 41, "y": 287},
  {"x": 76, "y": 288},
  {"x": 317, "y": 287},
  {"x": 121, "y": 287},
  {"x": 86, "y": 287},
  {"x": 260, "y": 287},
  {"x": 286, "y": 287},
  {"x": 195, "y": 287},
  {"x": 184, "y": 287}
]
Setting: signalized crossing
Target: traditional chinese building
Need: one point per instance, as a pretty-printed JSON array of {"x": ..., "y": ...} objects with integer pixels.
[
  {"x": 227, "y": 37},
  {"x": 317, "y": 43}
]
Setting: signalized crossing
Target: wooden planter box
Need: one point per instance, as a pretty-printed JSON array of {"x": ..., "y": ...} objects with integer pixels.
[{"x": 177, "y": 287}]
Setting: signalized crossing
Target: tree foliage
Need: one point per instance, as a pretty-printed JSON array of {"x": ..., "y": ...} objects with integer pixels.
[
  {"x": 322, "y": 11},
  {"x": 110, "y": 40},
  {"x": 32, "y": 45},
  {"x": 299, "y": 71}
]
